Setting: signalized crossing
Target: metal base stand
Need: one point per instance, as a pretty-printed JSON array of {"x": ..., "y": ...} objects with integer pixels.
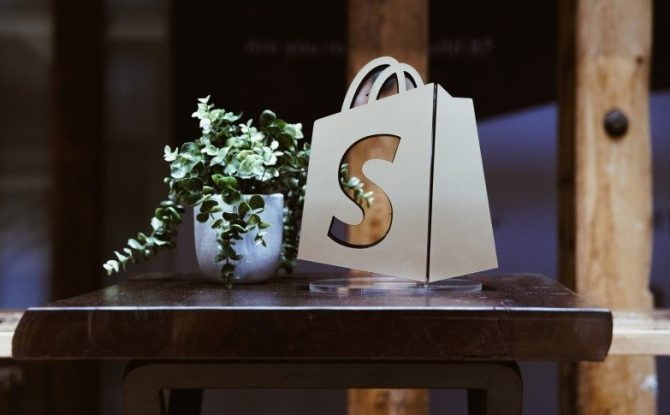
[{"x": 384, "y": 284}]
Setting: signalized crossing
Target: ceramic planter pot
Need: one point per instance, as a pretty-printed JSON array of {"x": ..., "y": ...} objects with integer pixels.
[{"x": 258, "y": 262}]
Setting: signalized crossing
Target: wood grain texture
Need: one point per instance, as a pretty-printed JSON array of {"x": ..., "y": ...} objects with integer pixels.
[
  {"x": 514, "y": 317},
  {"x": 605, "y": 188},
  {"x": 397, "y": 28},
  {"x": 634, "y": 333},
  {"x": 387, "y": 401},
  {"x": 641, "y": 333},
  {"x": 76, "y": 205}
]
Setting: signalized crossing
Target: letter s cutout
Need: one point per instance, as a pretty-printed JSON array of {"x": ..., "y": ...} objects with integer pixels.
[{"x": 380, "y": 195}]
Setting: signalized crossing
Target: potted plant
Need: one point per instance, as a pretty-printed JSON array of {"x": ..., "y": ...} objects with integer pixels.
[{"x": 228, "y": 175}]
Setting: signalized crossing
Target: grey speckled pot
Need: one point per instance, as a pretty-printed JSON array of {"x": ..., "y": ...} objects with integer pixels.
[{"x": 258, "y": 263}]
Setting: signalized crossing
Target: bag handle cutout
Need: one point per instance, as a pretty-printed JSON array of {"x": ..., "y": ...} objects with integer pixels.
[{"x": 391, "y": 67}]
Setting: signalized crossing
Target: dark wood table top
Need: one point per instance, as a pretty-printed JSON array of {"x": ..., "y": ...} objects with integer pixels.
[{"x": 514, "y": 317}]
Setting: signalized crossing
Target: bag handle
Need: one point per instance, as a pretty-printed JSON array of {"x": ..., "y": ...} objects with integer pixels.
[{"x": 391, "y": 68}]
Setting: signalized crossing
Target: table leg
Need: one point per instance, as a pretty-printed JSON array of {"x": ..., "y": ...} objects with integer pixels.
[
  {"x": 11, "y": 376},
  {"x": 185, "y": 402},
  {"x": 496, "y": 387}
]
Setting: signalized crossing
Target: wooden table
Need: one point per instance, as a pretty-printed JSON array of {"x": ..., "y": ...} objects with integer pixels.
[{"x": 191, "y": 335}]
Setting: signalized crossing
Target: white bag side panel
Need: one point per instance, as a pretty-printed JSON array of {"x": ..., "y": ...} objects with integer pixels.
[{"x": 461, "y": 232}]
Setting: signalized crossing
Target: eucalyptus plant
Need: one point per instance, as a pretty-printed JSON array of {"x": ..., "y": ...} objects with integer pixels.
[{"x": 239, "y": 162}]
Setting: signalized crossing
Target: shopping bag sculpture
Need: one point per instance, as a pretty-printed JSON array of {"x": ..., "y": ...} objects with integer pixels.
[{"x": 440, "y": 225}]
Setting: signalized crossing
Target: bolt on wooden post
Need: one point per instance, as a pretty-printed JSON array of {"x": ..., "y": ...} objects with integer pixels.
[{"x": 605, "y": 231}]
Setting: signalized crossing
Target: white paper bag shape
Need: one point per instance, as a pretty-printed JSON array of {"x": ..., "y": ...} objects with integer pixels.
[{"x": 441, "y": 225}]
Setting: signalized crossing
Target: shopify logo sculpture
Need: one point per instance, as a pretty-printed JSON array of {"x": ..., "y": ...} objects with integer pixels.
[{"x": 441, "y": 226}]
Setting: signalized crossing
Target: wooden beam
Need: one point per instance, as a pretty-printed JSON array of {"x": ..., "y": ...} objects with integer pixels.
[
  {"x": 76, "y": 195},
  {"x": 641, "y": 333},
  {"x": 8, "y": 322},
  {"x": 605, "y": 187},
  {"x": 76, "y": 201},
  {"x": 398, "y": 28}
]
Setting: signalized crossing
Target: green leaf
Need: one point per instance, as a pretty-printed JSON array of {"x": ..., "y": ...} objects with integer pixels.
[
  {"x": 263, "y": 225},
  {"x": 230, "y": 251},
  {"x": 232, "y": 197},
  {"x": 230, "y": 216},
  {"x": 294, "y": 130},
  {"x": 243, "y": 209},
  {"x": 225, "y": 182},
  {"x": 207, "y": 205},
  {"x": 134, "y": 244},
  {"x": 238, "y": 228},
  {"x": 178, "y": 170},
  {"x": 256, "y": 203},
  {"x": 216, "y": 178},
  {"x": 156, "y": 224},
  {"x": 267, "y": 117},
  {"x": 190, "y": 151},
  {"x": 254, "y": 220},
  {"x": 202, "y": 217},
  {"x": 170, "y": 155},
  {"x": 353, "y": 182},
  {"x": 229, "y": 182},
  {"x": 174, "y": 214},
  {"x": 111, "y": 266},
  {"x": 286, "y": 142}
]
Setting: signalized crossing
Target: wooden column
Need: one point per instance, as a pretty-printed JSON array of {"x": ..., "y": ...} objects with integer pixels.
[
  {"x": 76, "y": 146},
  {"x": 605, "y": 187},
  {"x": 398, "y": 28}
]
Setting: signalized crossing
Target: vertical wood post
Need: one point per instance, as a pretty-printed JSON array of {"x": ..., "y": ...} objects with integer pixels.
[
  {"x": 398, "y": 28},
  {"x": 77, "y": 147},
  {"x": 605, "y": 231},
  {"x": 76, "y": 195}
]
